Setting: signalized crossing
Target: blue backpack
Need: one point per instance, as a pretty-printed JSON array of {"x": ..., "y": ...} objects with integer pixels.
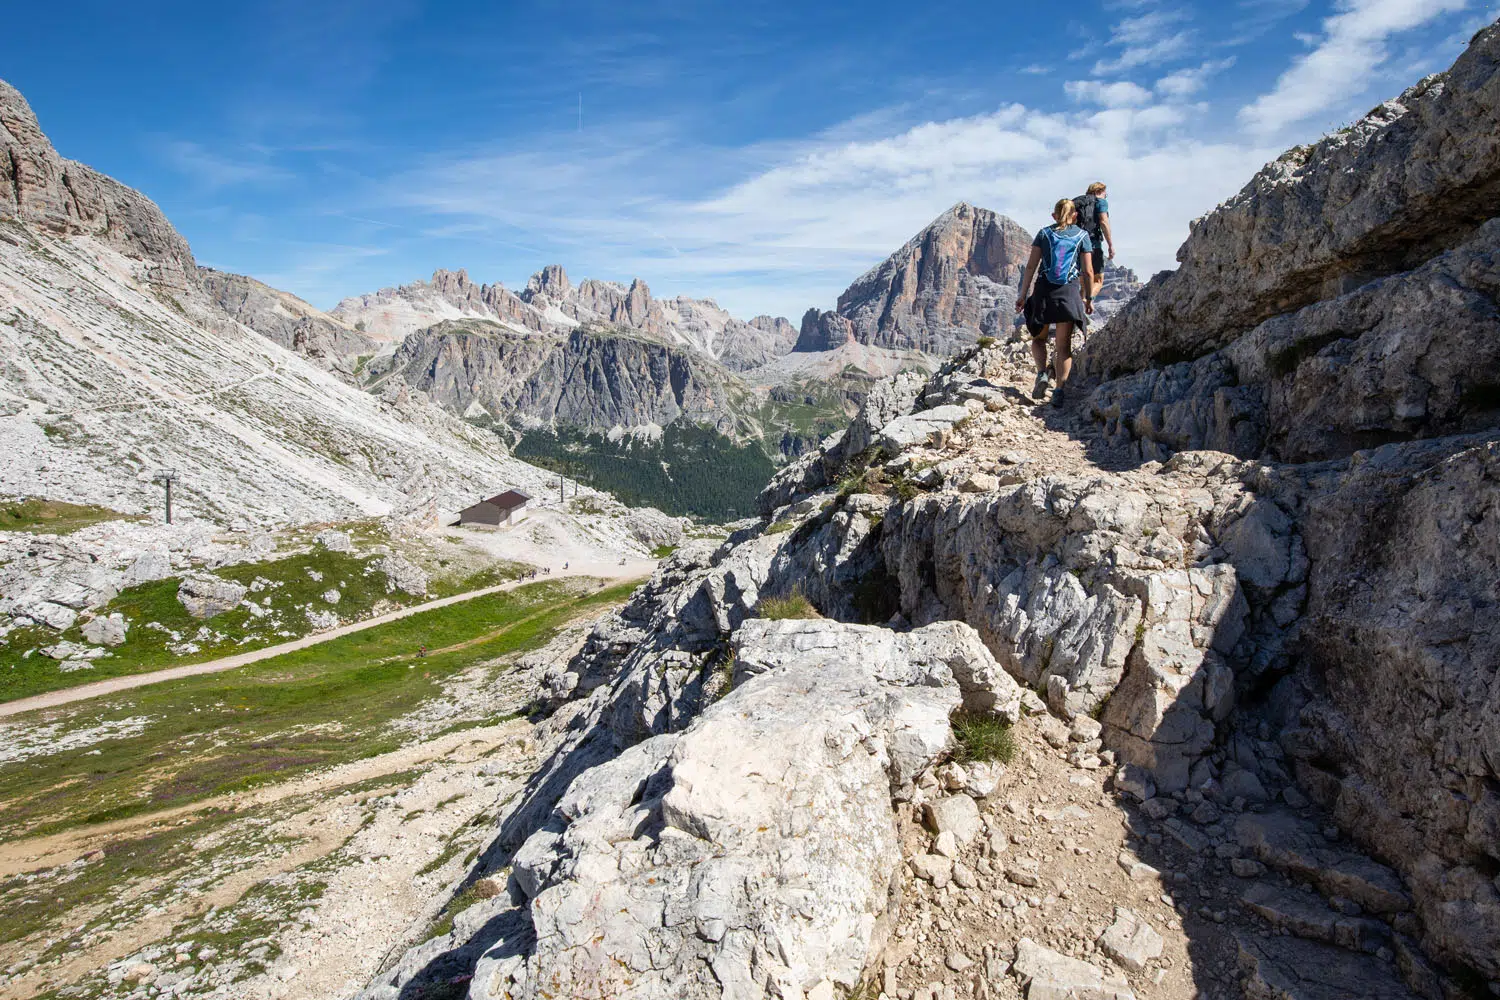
[{"x": 1060, "y": 259}]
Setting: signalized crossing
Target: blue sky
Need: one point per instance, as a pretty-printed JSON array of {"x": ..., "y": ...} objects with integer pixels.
[{"x": 762, "y": 154}]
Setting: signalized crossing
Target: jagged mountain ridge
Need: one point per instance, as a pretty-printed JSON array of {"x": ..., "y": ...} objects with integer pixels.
[
  {"x": 551, "y": 303},
  {"x": 944, "y": 288}
]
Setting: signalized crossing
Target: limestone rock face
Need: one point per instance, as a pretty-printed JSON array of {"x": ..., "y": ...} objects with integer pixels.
[
  {"x": 951, "y": 283},
  {"x": 149, "y": 369},
  {"x": 755, "y": 849},
  {"x": 1399, "y": 632},
  {"x": 39, "y": 187},
  {"x": 1355, "y": 371},
  {"x": 1415, "y": 176},
  {"x": 287, "y": 320},
  {"x": 589, "y": 378}
]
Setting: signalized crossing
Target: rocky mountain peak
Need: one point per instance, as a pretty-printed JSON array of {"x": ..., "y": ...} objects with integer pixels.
[
  {"x": 39, "y": 187},
  {"x": 551, "y": 281},
  {"x": 451, "y": 281},
  {"x": 944, "y": 287}
]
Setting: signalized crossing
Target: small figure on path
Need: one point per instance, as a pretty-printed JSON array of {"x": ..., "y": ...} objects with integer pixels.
[
  {"x": 1093, "y": 218},
  {"x": 422, "y": 649},
  {"x": 1058, "y": 300}
]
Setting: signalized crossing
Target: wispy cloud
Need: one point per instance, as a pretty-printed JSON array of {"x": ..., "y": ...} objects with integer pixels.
[
  {"x": 1256, "y": 17},
  {"x": 1148, "y": 39},
  {"x": 1339, "y": 67},
  {"x": 1186, "y": 82},
  {"x": 213, "y": 170}
]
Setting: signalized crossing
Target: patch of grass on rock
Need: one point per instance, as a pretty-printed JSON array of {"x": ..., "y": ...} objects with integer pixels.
[
  {"x": 982, "y": 737},
  {"x": 793, "y": 605}
]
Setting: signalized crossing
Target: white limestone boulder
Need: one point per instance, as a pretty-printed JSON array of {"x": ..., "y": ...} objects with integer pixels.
[{"x": 752, "y": 853}]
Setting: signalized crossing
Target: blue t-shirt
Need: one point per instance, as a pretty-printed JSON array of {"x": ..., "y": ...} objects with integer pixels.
[
  {"x": 1061, "y": 249},
  {"x": 1103, "y": 204}
]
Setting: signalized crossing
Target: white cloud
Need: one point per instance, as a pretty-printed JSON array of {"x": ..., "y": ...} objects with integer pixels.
[
  {"x": 802, "y": 220},
  {"x": 1147, "y": 39},
  {"x": 1122, "y": 94},
  {"x": 1186, "y": 82},
  {"x": 1352, "y": 45}
]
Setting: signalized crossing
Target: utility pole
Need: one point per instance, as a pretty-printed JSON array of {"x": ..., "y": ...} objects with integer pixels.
[{"x": 165, "y": 477}]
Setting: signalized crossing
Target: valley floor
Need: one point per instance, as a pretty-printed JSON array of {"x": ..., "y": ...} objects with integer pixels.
[{"x": 278, "y": 830}]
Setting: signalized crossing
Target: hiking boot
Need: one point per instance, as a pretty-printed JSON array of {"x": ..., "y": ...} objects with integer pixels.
[
  {"x": 1039, "y": 390},
  {"x": 1057, "y": 397}
]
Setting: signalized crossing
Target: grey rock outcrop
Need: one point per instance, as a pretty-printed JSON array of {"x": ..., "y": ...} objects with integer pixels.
[
  {"x": 402, "y": 574},
  {"x": 683, "y": 868},
  {"x": 39, "y": 187},
  {"x": 1343, "y": 311},
  {"x": 591, "y": 378},
  {"x": 287, "y": 320},
  {"x": 1414, "y": 177},
  {"x": 1355, "y": 371},
  {"x": 206, "y": 596},
  {"x": 106, "y": 630},
  {"x": 639, "y": 849}
]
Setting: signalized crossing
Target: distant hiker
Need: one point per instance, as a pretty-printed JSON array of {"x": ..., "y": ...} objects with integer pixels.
[
  {"x": 1057, "y": 255},
  {"x": 422, "y": 649},
  {"x": 1093, "y": 218}
]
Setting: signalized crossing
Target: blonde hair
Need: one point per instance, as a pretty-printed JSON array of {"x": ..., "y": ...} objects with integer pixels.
[
  {"x": 1096, "y": 188},
  {"x": 1065, "y": 213}
]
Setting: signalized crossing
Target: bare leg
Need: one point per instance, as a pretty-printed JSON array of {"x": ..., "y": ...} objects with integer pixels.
[
  {"x": 1039, "y": 351},
  {"x": 1064, "y": 355}
]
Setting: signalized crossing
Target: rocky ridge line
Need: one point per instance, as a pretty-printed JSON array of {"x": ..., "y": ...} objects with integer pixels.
[{"x": 550, "y": 303}]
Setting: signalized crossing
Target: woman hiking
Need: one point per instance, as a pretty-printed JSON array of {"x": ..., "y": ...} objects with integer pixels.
[{"x": 1058, "y": 253}]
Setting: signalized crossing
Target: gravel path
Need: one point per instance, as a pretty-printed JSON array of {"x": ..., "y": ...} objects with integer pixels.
[{"x": 52, "y": 699}]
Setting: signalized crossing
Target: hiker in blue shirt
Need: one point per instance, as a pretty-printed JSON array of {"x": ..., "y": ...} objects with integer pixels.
[
  {"x": 1058, "y": 254},
  {"x": 1093, "y": 218}
]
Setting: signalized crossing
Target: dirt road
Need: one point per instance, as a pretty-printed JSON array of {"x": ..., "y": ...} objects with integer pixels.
[{"x": 52, "y": 699}]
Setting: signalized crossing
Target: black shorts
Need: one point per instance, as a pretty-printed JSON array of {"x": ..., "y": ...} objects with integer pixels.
[
  {"x": 1098, "y": 261},
  {"x": 1049, "y": 304}
]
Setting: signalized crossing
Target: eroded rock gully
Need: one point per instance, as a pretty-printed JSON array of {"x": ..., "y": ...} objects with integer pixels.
[{"x": 1250, "y": 661}]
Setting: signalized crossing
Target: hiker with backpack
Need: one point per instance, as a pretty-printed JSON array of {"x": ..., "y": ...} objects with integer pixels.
[
  {"x": 1093, "y": 218},
  {"x": 1060, "y": 255}
]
